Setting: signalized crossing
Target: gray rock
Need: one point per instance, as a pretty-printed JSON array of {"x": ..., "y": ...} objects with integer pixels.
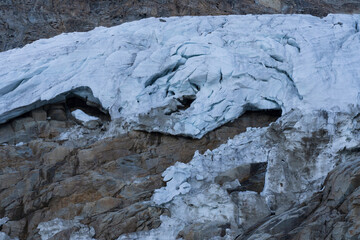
[
  {"x": 6, "y": 134},
  {"x": 18, "y": 124},
  {"x": 57, "y": 114},
  {"x": 39, "y": 115},
  {"x": 250, "y": 176},
  {"x": 93, "y": 124},
  {"x": 108, "y": 182}
]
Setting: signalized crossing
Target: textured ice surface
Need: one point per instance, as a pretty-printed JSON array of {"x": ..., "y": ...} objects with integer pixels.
[
  {"x": 51, "y": 228},
  {"x": 80, "y": 115},
  {"x": 189, "y": 75}
]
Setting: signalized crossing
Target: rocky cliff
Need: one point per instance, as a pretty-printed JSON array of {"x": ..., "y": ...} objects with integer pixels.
[
  {"x": 23, "y": 22},
  {"x": 213, "y": 127}
]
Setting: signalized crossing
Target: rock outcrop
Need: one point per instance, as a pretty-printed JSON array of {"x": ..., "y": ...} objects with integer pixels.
[
  {"x": 300, "y": 149},
  {"x": 332, "y": 213},
  {"x": 25, "y": 22},
  {"x": 63, "y": 169}
]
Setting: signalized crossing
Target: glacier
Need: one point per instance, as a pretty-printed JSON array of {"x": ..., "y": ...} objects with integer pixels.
[{"x": 189, "y": 75}]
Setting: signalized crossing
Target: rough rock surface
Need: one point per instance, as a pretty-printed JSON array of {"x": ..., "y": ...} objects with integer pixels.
[
  {"x": 332, "y": 213},
  {"x": 24, "y": 22},
  {"x": 65, "y": 170}
]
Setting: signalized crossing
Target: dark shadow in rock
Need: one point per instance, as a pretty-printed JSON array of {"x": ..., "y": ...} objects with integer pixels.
[
  {"x": 84, "y": 93},
  {"x": 74, "y": 102},
  {"x": 250, "y": 176}
]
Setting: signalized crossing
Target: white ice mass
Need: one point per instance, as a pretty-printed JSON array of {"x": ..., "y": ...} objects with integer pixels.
[
  {"x": 189, "y": 75},
  {"x": 80, "y": 115}
]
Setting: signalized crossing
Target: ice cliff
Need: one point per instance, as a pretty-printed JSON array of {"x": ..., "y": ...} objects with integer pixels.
[{"x": 190, "y": 75}]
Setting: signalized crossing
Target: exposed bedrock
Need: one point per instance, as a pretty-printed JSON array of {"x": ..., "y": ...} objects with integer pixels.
[
  {"x": 332, "y": 213},
  {"x": 212, "y": 191},
  {"x": 72, "y": 170},
  {"x": 24, "y": 22}
]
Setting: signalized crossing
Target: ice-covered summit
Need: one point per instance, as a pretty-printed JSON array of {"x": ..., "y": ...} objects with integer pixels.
[{"x": 188, "y": 75}]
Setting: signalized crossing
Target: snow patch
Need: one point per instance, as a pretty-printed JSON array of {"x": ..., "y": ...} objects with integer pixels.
[
  {"x": 80, "y": 115},
  {"x": 51, "y": 228}
]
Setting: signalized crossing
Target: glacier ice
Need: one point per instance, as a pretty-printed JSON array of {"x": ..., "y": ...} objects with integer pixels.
[{"x": 189, "y": 75}]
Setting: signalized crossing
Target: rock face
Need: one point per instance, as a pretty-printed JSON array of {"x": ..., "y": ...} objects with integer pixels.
[
  {"x": 64, "y": 170},
  {"x": 25, "y": 22},
  {"x": 332, "y": 213}
]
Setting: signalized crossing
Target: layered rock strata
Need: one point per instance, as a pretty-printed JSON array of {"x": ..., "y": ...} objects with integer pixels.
[
  {"x": 52, "y": 167},
  {"x": 24, "y": 22}
]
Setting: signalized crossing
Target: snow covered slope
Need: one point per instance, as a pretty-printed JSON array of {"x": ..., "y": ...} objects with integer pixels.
[{"x": 189, "y": 75}]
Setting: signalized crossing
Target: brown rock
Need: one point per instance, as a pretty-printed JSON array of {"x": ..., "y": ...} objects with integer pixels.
[
  {"x": 25, "y": 22},
  {"x": 57, "y": 114},
  {"x": 108, "y": 182},
  {"x": 207, "y": 230},
  {"x": 18, "y": 124},
  {"x": 93, "y": 124},
  {"x": 39, "y": 114},
  {"x": 56, "y": 155},
  {"x": 65, "y": 234},
  {"x": 100, "y": 206},
  {"x": 14, "y": 228},
  {"x": 137, "y": 217}
]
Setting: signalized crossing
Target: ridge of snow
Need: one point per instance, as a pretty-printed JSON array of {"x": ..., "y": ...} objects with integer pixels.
[{"x": 189, "y": 75}]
